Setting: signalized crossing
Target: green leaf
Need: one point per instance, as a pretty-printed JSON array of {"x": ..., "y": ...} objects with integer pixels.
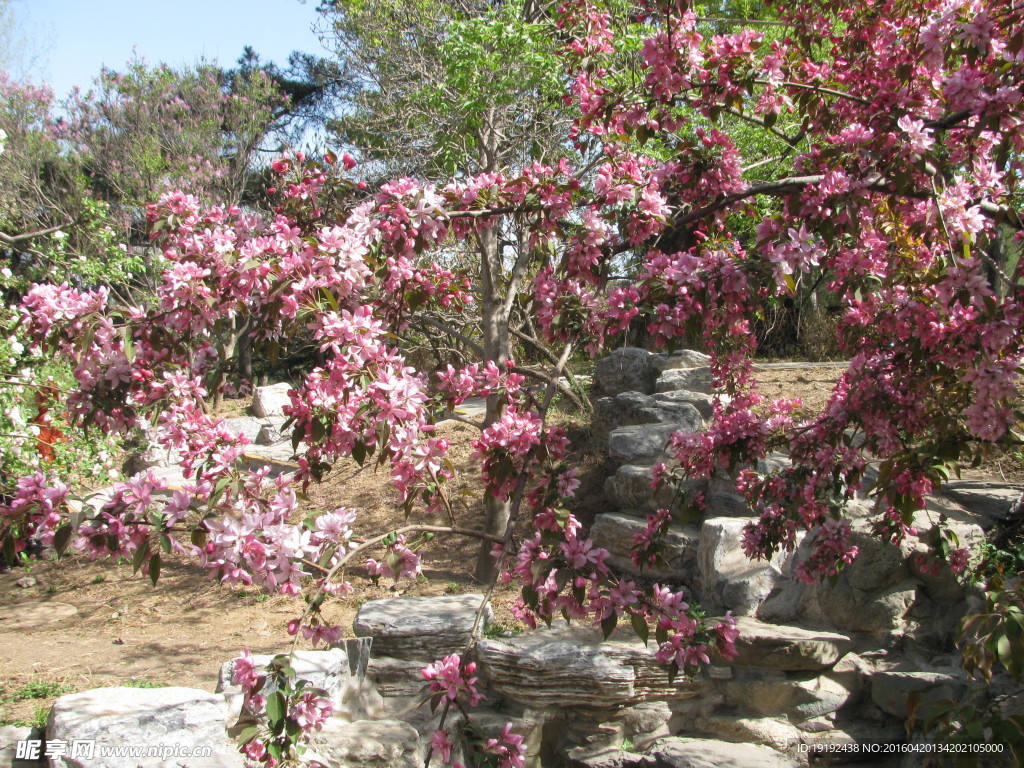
[
  {"x": 247, "y": 734},
  {"x": 154, "y": 568},
  {"x": 359, "y": 452},
  {"x": 608, "y": 624},
  {"x": 275, "y": 708},
  {"x": 140, "y": 556},
  {"x": 639, "y": 623},
  {"x": 62, "y": 538}
]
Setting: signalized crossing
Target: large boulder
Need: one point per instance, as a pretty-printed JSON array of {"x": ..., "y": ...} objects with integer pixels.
[
  {"x": 573, "y": 667},
  {"x": 271, "y": 400},
  {"x": 163, "y": 721},
  {"x": 625, "y": 370},
  {"x": 421, "y": 628},
  {"x": 632, "y": 408},
  {"x": 614, "y": 532}
]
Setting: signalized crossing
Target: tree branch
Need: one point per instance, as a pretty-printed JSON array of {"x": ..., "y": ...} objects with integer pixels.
[{"x": 14, "y": 240}]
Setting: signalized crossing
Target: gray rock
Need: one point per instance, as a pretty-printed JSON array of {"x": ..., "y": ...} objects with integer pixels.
[
  {"x": 250, "y": 426},
  {"x": 690, "y": 379},
  {"x": 150, "y": 717},
  {"x": 643, "y": 444},
  {"x": 702, "y": 401},
  {"x": 633, "y": 408},
  {"x": 270, "y": 400},
  {"x": 880, "y": 614},
  {"x": 646, "y": 721},
  {"x": 795, "y": 699},
  {"x": 684, "y": 358},
  {"x": 891, "y": 690},
  {"x": 630, "y": 489},
  {"x": 788, "y": 648},
  {"x": 726, "y": 504},
  {"x": 10, "y": 735},
  {"x": 268, "y": 435},
  {"x": 614, "y": 532},
  {"x": 338, "y": 671},
  {"x": 729, "y": 580},
  {"x": 705, "y": 753},
  {"x": 856, "y": 737},
  {"x": 420, "y": 628},
  {"x": 368, "y": 744},
  {"x": 625, "y": 370},
  {"x": 767, "y": 731},
  {"x": 571, "y": 666},
  {"x": 609, "y": 757},
  {"x": 1000, "y": 502},
  {"x": 396, "y": 678}
]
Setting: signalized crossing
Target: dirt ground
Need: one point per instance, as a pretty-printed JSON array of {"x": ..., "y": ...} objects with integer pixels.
[{"x": 85, "y": 625}]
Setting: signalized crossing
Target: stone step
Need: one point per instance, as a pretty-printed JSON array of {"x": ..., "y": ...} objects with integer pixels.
[
  {"x": 570, "y": 666},
  {"x": 420, "y": 628},
  {"x": 782, "y": 647}
]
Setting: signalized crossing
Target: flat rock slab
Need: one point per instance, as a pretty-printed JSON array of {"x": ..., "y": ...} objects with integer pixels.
[
  {"x": 775, "y": 646},
  {"x": 1000, "y": 502},
  {"x": 420, "y": 628},
  {"x": 572, "y": 666},
  {"x": 144, "y": 718},
  {"x": 31, "y": 615},
  {"x": 707, "y": 753}
]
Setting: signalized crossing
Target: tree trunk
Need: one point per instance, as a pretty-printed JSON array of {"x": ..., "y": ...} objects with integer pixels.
[{"x": 496, "y": 349}]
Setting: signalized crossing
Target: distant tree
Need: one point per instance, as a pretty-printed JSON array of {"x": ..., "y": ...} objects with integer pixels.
[{"x": 148, "y": 127}]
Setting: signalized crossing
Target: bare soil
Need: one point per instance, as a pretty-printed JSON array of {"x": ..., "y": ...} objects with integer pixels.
[{"x": 124, "y": 630}]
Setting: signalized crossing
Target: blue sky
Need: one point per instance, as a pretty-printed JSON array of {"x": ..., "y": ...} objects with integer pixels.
[{"x": 74, "y": 38}]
